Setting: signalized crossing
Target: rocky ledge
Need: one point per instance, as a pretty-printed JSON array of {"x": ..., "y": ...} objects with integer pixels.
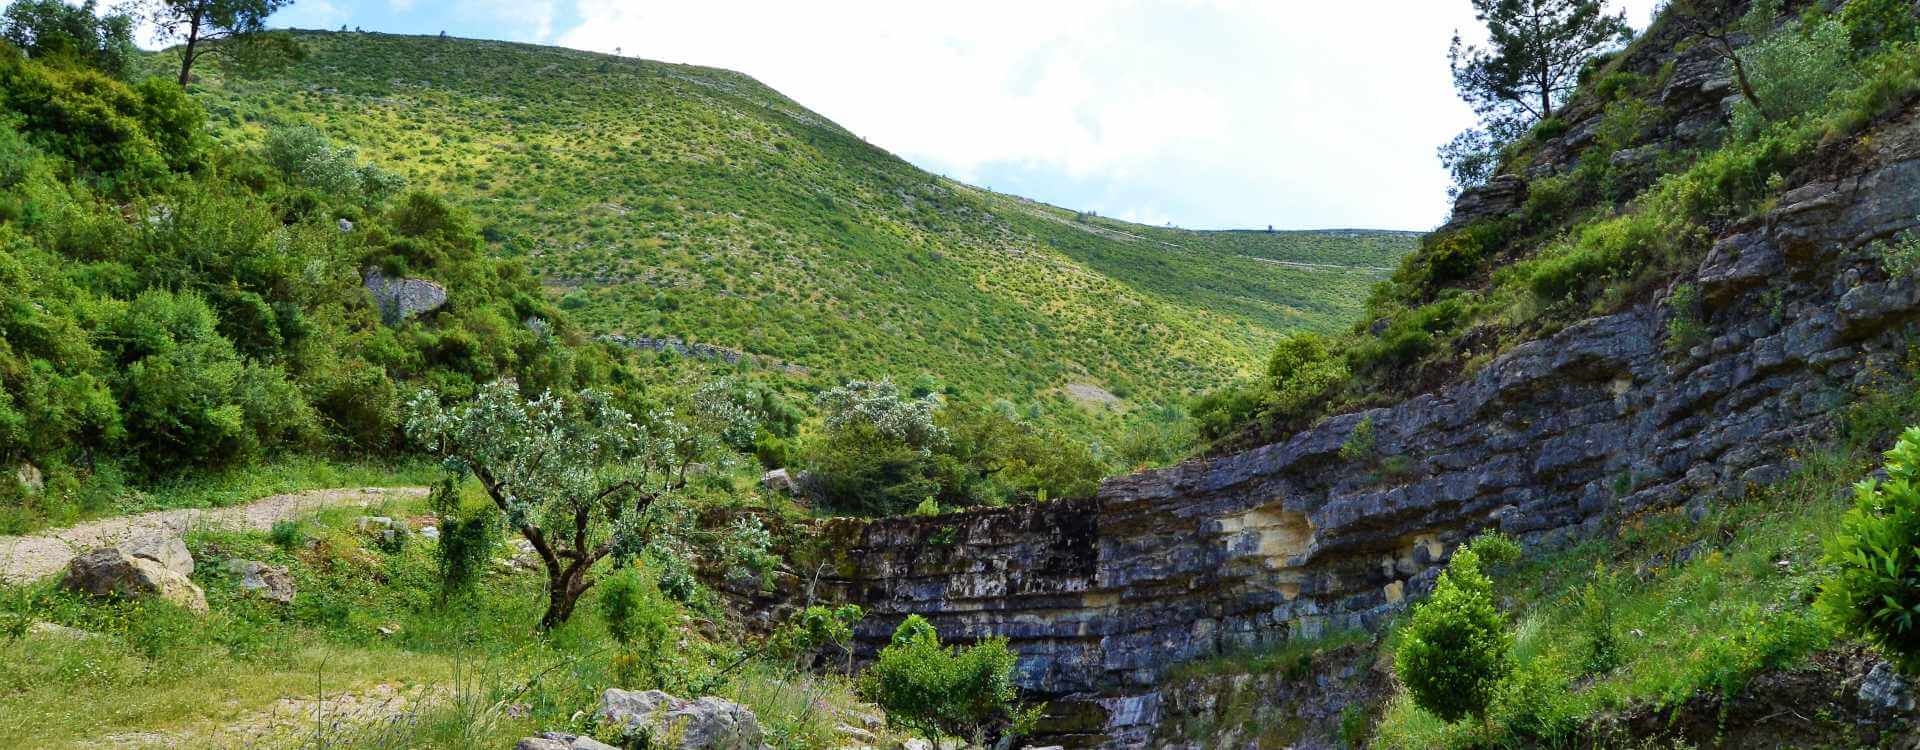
[{"x": 1551, "y": 440}]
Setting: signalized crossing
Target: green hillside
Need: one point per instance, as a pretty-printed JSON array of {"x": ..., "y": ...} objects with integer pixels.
[{"x": 663, "y": 200}]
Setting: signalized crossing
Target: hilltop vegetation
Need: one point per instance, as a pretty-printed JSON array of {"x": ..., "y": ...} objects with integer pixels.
[{"x": 670, "y": 201}]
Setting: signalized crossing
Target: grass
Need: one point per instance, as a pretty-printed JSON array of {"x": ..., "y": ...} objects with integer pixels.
[
  {"x": 676, "y": 201},
  {"x": 366, "y": 614},
  {"x": 1698, "y": 606}
]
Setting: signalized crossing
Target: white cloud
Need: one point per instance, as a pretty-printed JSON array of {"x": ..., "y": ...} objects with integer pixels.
[
  {"x": 1212, "y": 112},
  {"x": 312, "y": 14}
]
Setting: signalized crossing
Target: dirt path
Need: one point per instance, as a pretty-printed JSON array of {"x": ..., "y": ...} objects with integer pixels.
[{"x": 26, "y": 558}]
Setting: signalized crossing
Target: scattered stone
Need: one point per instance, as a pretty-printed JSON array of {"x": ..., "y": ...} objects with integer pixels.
[
  {"x": 561, "y": 741},
  {"x": 705, "y": 724},
  {"x": 431, "y": 533},
  {"x": 56, "y": 630},
  {"x": 1886, "y": 690},
  {"x": 345, "y": 226},
  {"x": 111, "y": 571},
  {"x": 856, "y": 734},
  {"x": 270, "y": 582}
]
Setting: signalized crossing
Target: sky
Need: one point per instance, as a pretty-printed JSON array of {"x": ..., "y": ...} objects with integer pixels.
[{"x": 1204, "y": 114}]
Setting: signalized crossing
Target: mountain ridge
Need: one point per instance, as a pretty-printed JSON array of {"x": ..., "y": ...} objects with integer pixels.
[{"x": 663, "y": 200}]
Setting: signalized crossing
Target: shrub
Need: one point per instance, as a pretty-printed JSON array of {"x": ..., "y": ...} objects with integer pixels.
[
  {"x": 1794, "y": 71},
  {"x": 1304, "y": 376},
  {"x": 939, "y": 691},
  {"x": 78, "y": 33},
  {"x": 287, "y": 535},
  {"x": 1874, "y": 594},
  {"x": 1597, "y": 622},
  {"x": 1874, "y": 23},
  {"x": 640, "y": 620},
  {"x": 1684, "y": 324},
  {"x": 1455, "y": 650}
]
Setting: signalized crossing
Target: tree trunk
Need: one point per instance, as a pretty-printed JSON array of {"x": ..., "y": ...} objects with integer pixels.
[
  {"x": 193, "y": 40},
  {"x": 562, "y": 595},
  {"x": 186, "y": 63}
]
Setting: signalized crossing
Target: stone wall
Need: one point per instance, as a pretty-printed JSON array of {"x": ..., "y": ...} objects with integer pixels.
[{"x": 1550, "y": 440}]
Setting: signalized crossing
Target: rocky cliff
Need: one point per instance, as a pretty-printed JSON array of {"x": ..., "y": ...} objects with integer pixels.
[{"x": 1554, "y": 438}]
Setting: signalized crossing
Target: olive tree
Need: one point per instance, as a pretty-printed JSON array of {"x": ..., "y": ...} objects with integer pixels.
[{"x": 578, "y": 477}]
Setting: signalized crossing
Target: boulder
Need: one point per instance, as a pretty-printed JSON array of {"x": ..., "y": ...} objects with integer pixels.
[
  {"x": 704, "y": 724},
  {"x": 779, "y": 480},
  {"x": 270, "y": 582},
  {"x": 561, "y": 741},
  {"x": 170, "y": 551},
  {"x": 402, "y": 298},
  {"x": 30, "y": 478},
  {"x": 111, "y": 571}
]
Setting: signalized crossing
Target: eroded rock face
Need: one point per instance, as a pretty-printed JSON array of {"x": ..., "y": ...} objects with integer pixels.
[
  {"x": 1549, "y": 441},
  {"x": 1502, "y": 195},
  {"x": 111, "y": 571}
]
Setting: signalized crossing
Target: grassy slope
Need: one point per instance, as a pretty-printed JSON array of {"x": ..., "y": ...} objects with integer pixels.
[{"x": 671, "y": 200}]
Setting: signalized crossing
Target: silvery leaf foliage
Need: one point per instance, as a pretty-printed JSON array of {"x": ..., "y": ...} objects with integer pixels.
[
  {"x": 879, "y": 404},
  {"x": 546, "y": 458}
]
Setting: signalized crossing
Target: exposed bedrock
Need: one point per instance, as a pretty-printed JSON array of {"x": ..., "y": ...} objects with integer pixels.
[{"x": 1548, "y": 441}]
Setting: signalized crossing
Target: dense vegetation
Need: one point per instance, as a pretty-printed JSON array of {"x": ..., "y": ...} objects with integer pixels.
[
  {"x": 668, "y": 201},
  {"x": 174, "y": 305}
]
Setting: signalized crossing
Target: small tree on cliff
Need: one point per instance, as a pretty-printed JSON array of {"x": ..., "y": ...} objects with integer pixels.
[
  {"x": 1455, "y": 650},
  {"x": 579, "y": 478},
  {"x": 1535, "y": 51}
]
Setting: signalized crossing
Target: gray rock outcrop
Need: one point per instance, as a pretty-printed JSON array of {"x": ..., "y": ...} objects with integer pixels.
[
  {"x": 703, "y": 724},
  {"x": 401, "y": 298}
]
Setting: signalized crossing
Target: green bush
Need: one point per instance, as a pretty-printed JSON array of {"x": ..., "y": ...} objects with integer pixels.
[
  {"x": 640, "y": 619},
  {"x": 1455, "y": 650},
  {"x": 1597, "y": 620},
  {"x": 1874, "y": 594},
  {"x": 939, "y": 691},
  {"x": 1794, "y": 71},
  {"x": 116, "y": 132},
  {"x": 1875, "y": 23}
]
